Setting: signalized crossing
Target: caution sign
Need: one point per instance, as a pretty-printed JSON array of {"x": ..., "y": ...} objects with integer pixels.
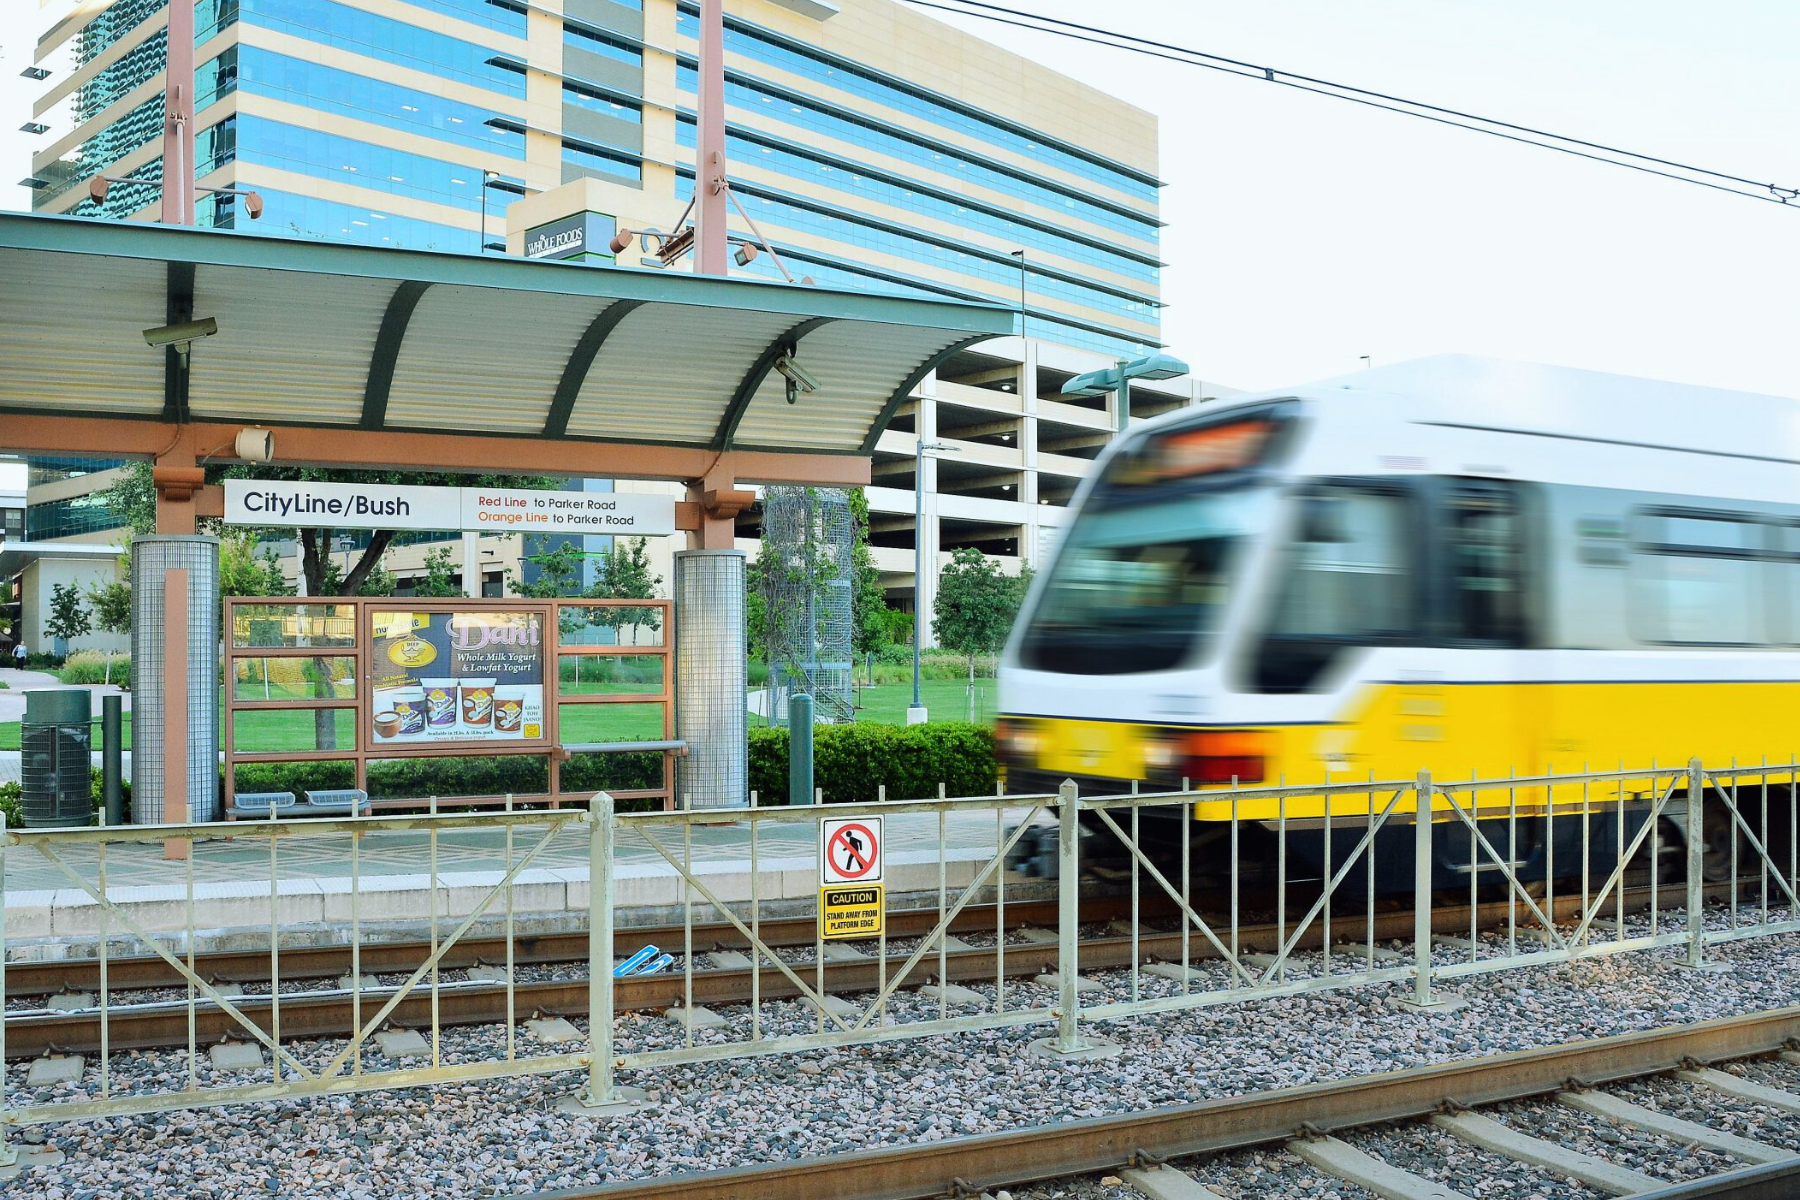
[
  {"x": 850, "y": 912},
  {"x": 850, "y": 850}
]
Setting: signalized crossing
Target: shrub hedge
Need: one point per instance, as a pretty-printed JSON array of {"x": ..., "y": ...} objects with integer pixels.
[
  {"x": 496, "y": 775},
  {"x": 11, "y": 793},
  {"x": 851, "y": 762},
  {"x": 89, "y": 666}
]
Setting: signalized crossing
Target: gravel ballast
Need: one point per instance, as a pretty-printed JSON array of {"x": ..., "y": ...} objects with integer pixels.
[{"x": 504, "y": 1137}]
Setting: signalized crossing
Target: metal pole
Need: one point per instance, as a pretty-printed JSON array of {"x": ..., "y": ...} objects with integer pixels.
[
  {"x": 178, "y": 118},
  {"x": 113, "y": 758},
  {"x": 711, "y": 243},
  {"x": 482, "y": 240},
  {"x": 1020, "y": 255},
  {"x": 800, "y": 749},
  {"x": 1124, "y": 394},
  {"x": 1068, "y": 914},
  {"x": 600, "y": 952},
  {"x": 1422, "y": 892},
  {"x": 1696, "y": 864},
  {"x": 918, "y": 561}
]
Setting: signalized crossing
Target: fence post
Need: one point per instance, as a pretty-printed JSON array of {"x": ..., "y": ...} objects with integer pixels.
[
  {"x": 1696, "y": 864},
  {"x": 1423, "y": 997},
  {"x": 601, "y": 1097},
  {"x": 1068, "y": 1042},
  {"x": 8, "y": 1155}
]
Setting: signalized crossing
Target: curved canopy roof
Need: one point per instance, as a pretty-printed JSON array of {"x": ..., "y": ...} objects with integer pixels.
[{"x": 312, "y": 333}]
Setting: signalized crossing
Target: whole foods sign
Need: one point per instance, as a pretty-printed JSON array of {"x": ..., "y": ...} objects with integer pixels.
[{"x": 301, "y": 504}]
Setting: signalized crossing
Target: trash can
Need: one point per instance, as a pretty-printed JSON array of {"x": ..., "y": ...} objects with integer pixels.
[{"x": 56, "y": 766}]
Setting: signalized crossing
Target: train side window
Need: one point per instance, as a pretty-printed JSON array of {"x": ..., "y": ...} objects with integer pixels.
[
  {"x": 1697, "y": 579},
  {"x": 1486, "y": 565},
  {"x": 1347, "y": 580}
]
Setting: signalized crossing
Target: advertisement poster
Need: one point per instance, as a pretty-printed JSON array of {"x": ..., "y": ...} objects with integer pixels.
[{"x": 456, "y": 677}]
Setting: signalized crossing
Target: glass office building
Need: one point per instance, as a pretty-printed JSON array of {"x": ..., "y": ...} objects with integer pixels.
[{"x": 876, "y": 148}]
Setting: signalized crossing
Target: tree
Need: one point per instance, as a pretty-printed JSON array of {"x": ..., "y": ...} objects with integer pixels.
[
  {"x": 440, "y": 575},
  {"x": 68, "y": 615},
  {"x": 245, "y": 572},
  {"x": 976, "y": 605},
  {"x": 872, "y": 625},
  {"x": 111, "y": 604},
  {"x": 559, "y": 573},
  {"x": 625, "y": 574}
]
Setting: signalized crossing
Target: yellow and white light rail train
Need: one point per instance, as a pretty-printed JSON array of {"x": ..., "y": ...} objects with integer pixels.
[{"x": 1456, "y": 564}]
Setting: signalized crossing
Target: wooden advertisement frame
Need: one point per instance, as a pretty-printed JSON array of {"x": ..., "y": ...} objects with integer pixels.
[{"x": 359, "y": 611}]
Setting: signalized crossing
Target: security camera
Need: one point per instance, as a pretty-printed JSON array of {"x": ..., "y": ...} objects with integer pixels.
[
  {"x": 795, "y": 374},
  {"x": 183, "y": 333}
]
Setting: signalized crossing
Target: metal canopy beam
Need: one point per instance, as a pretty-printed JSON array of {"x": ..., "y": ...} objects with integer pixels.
[
  {"x": 180, "y": 308},
  {"x": 575, "y": 371},
  {"x": 392, "y": 449},
  {"x": 394, "y": 321},
  {"x": 787, "y": 343},
  {"x": 907, "y": 385}
]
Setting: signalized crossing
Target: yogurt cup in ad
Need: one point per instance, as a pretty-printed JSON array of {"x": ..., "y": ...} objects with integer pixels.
[
  {"x": 477, "y": 703},
  {"x": 509, "y": 709},
  {"x": 440, "y": 702},
  {"x": 409, "y": 705}
]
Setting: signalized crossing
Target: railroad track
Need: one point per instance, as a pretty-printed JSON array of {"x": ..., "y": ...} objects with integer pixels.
[
  {"x": 318, "y": 1013},
  {"x": 1136, "y": 1155}
]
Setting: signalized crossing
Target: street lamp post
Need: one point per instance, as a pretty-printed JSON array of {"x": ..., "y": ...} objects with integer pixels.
[
  {"x": 487, "y": 181},
  {"x": 1118, "y": 377},
  {"x": 915, "y": 715}
]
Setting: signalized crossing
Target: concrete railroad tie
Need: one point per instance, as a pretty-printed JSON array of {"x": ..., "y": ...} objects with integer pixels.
[
  {"x": 696, "y": 1018},
  {"x": 1600, "y": 1104},
  {"x": 1166, "y": 1183},
  {"x": 1344, "y": 1161},
  {"x": 1490, "y": 1134}
]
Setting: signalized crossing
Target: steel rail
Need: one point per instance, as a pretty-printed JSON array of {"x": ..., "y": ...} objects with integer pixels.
[
  {"x": 331, "y": 1013},
  {"x": 1768, "y": 1181},
  {"x": 1017, "y": 1157}
]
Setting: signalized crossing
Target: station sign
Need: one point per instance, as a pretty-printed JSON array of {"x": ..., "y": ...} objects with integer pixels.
[
  {"x": 303, "y": 503},
  {"x": 850, "y": 889}
]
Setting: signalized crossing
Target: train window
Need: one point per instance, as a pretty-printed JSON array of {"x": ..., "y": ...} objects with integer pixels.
[
  {"x": 1486, "y": 584},
  {"x": 1696, "y": 579},
  {"x": 1346, "y": 581}
]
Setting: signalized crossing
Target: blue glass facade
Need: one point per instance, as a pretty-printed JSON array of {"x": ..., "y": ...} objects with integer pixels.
[{"x": 935, "y": 202}]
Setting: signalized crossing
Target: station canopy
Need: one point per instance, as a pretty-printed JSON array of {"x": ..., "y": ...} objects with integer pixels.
[{"x": 317, "y": 334}]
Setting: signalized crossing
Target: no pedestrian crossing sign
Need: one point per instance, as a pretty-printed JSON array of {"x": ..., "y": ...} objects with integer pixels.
[
  {"x": 850, "y": 888},
  {"x": 850, "y": 850}
]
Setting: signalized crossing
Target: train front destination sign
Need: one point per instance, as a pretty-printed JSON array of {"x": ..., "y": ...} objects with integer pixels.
[{"x": 398, "y": 506}]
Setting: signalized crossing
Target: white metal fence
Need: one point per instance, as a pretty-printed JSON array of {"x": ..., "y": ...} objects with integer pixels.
[{"x": 1282, "y": 890}]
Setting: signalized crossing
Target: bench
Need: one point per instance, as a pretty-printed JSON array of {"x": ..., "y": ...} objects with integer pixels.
[
  {"x": 260, "y": 805},
  {"x": 334, "y": 801}
]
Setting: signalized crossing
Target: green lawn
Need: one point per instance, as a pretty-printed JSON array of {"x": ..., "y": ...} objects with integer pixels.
[
  {"x": 885, "y": 704},
  {"x": 945, "y": 700}
]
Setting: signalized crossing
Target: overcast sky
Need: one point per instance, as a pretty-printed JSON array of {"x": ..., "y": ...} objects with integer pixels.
[{"x": 1306, "y": 232}]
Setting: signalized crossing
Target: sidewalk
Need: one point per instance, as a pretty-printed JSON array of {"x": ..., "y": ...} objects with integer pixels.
[{"x": 232, "y": 893}]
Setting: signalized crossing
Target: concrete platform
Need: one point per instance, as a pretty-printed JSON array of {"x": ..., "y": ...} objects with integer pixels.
[{"x": 47, "y": 917}]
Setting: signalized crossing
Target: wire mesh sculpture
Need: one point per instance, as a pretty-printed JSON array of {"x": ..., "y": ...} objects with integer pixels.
[{"x": 809, "y": 535}]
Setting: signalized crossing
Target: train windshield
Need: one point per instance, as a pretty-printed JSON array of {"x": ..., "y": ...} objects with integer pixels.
[{"x": 1141, "y": 587}]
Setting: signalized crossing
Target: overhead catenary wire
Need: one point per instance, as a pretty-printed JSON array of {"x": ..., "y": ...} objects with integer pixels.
[{"x": 1681, "y": 172}]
